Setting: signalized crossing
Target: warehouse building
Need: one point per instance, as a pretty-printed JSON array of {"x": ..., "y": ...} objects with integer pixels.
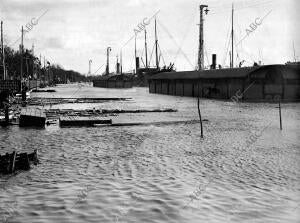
[{"x": 270, "y": 82}]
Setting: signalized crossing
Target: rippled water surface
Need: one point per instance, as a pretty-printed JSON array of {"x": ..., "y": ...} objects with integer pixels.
[{"x": 244, "y": 170}]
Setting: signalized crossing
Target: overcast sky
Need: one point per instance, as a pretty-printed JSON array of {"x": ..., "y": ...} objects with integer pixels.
[{"x": 71, "y": 32}]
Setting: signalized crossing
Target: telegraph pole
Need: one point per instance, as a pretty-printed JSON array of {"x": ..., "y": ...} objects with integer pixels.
[
  {"x": 2, "y": 53},
  {"x": 201, "y": 40}
]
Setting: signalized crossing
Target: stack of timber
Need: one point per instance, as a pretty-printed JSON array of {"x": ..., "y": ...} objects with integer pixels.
[
  {"x": 10, "y": 163},
  {"x": 68, "y": 121},
  {"x": 32, "y": 117}
]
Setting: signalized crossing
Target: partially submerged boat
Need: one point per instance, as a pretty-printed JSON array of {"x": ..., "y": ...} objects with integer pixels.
[{"x": 11, "y": 163}]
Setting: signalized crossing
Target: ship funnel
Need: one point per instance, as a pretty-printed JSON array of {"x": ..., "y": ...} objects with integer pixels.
[
  {"x": 137, "y": 63},
  {"x": 118, "y": 68},
  {"x": 214, "y": 61}
]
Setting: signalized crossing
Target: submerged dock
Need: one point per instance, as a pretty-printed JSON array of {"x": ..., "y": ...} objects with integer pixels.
[
  {"x": 10, "y": 163},
  {"x": 68, "y": 121}
]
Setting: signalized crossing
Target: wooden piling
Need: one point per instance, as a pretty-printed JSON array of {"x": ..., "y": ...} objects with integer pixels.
[
  {"x": 199, "y": 112},
  {"x": 280, "y": 119},
  {"x": 13, "y": 162}
]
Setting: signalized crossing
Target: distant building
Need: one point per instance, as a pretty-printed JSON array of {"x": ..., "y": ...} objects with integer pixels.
[{"x": 269, "y": 82}]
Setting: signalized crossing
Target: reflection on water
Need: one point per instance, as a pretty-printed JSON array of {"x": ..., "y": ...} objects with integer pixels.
[{"x": 245, "y": 168}]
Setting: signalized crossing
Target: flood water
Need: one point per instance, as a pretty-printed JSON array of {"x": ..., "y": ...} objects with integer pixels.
[{"x": 244, "y": 169}]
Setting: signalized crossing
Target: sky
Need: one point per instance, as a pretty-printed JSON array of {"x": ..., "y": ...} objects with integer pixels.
[{"x": 72, "y": 32}]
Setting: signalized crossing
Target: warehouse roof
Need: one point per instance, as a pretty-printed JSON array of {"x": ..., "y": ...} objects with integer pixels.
[{"x": 289, "y": 71}]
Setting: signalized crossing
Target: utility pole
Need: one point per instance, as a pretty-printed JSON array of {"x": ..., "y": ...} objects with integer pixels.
[
  {"x": 33, "y": 59},
  {"x": 34, "y": 68},
  {"x": 22, "y": 34},
  {"x": 201, "y": 40},
  {"x": 107, "y": 65},
  {"x": 146, "y": 51},
  {"x": 156, "y": 45},
  {"x": 232, "y": 58},
  {"x": 3, "y": 53}
]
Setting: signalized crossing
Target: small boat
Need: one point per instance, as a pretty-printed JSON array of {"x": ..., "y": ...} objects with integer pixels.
[{"x": 11, "y": 163}]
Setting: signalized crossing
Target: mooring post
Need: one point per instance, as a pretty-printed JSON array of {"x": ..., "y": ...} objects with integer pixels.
[
  {"x": 199, "y": 112},
  {"x": 13, "y": 162},
  {"x": 6, "y": 114},
  {"x": 280, "y": 116}
]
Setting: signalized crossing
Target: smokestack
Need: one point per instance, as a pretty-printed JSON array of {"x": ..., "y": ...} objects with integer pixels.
[
  {"x": 214, "y": 61},
  {"x": 118, "y": 67}
]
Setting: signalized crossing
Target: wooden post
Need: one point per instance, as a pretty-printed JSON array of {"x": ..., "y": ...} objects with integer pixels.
[
  {"x": 13, "y": 162},
  {"x": 280, "y": 116},
  {"x": 199, "y": 112},
  {"x": 6, "y": 114}
]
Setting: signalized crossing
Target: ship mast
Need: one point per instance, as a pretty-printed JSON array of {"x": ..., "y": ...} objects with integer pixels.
[
  {"x": 21, "y": 49},
  {"x": 146, "y": 53},
  {"x": 231, "y": 62},
  {"x": 201, "y": 41},
  {"x": 135, "y": 54},
  {"x": 156, "y": 46}
]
